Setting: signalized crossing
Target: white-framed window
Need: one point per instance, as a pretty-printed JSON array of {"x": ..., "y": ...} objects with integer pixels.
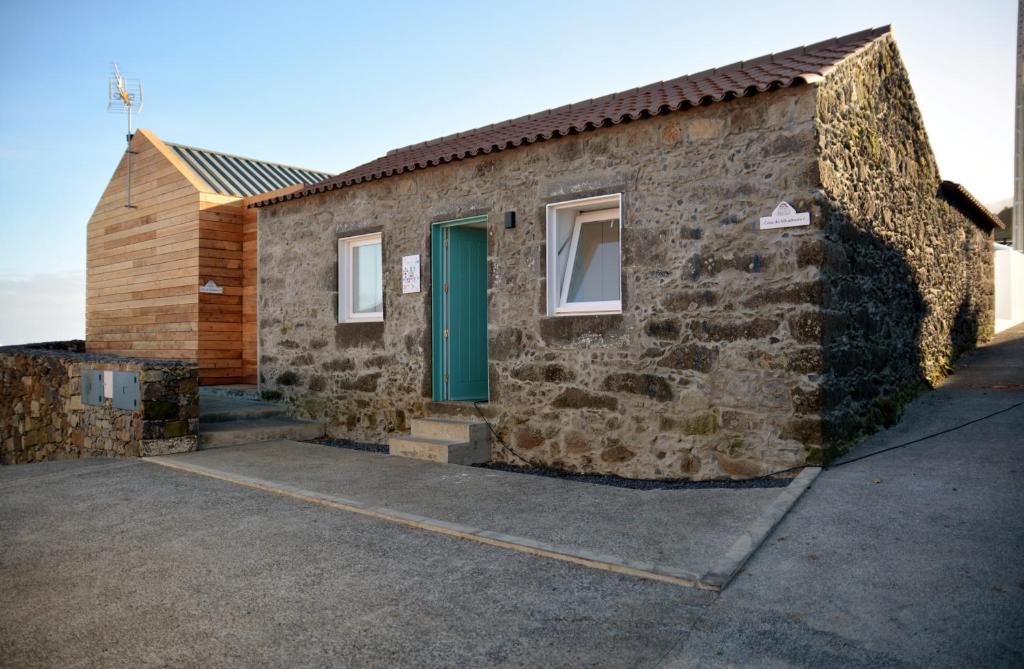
[
  {"x": 584, "y": 256},
  {"x": 360, "y": 279}
]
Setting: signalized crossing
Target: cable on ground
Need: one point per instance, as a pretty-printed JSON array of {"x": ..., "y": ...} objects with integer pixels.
[{"x": 872, "y": 454}]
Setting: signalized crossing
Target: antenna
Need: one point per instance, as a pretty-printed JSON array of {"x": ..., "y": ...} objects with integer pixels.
[{"x": 123, "y": 97}]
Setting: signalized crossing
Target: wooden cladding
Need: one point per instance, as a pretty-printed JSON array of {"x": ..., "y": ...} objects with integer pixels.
[
  {"x": 146, "y": 263},
  {"x": 142, "y": 262},
  {"x": 220, "y": 259}
]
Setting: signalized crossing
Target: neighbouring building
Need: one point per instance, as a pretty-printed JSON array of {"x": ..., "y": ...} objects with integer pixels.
[
  {"x": 168, "y": 223},
  {"x": 596, "y": 279}
]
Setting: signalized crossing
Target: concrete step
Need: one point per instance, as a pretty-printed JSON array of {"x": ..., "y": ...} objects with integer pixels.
[
  {"x": 440, "y": 450},
  {"x": 222, "y": 409},
  {"x": 230, "y": 433},
  {"x": 238, "y": 391},
  {"x": 450, "y": 429}
]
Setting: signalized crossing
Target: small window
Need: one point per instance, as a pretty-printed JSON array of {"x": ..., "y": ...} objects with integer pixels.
[
  {"x": 584, "y": 260},
  {"x": 360, "y": 279}
]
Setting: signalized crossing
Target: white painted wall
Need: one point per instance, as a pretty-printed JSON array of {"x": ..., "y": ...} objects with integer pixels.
[{"x": 1009, "y": 287}]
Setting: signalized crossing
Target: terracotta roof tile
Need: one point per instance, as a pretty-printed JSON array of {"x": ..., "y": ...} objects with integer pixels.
[
  {"x": 803, "y": 65},
  {"x": 968, "y": 205}
]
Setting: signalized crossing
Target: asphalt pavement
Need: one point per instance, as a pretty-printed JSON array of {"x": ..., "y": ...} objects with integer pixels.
[{"x": 911, "y": 558}]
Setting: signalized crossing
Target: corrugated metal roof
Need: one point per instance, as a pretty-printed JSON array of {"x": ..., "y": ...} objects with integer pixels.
[
  {"x": 242, "y": 177},
  {"x": 806, "y": 64}
]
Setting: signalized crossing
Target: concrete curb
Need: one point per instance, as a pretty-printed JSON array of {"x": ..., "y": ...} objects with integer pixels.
[
  {"x": 712, "y": 581},
  {"x": 727, "y": 567}
]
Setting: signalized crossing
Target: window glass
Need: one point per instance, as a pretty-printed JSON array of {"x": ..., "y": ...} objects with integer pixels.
[
  {"x": 583, "y": 256},
  {"x": 367, "y": 279},
  {"x": 360, "y": 278},
  {"x": 595, "y": 267},
  {"x": 563, "y": 240}
]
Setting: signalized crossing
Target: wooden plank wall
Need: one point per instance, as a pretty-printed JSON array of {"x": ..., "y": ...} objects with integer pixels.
[
  {"x": 142, "y": 262},
  {"x": 145, "y": 266},
  {"x": 220, "y": 316}
]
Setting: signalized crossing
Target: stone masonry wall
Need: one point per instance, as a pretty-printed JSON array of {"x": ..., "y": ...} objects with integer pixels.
[
  {"x": 908, "y": 280},
  {"x": 42, "y": 416},
  {"x": 705, "y": 373}
]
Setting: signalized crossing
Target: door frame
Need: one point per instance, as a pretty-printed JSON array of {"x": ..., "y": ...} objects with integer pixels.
[{"x": 439, "y": 266}]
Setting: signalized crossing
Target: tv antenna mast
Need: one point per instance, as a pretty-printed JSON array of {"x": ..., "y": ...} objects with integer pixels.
[{"x": 124, "y": 96}]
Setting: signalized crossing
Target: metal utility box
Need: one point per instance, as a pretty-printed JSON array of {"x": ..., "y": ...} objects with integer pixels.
[
  {"x": 92, "y": 386},
  {"x": 126, "y": 390}
]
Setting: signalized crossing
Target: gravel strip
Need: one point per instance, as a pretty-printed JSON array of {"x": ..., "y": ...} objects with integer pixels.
[
  {"x": 635, "y": 484},
  {"x": 596, "y": 479},
  {"x": 353, "y": 445}
]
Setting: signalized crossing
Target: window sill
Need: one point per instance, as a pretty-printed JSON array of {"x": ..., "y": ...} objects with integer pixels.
[
  {"x": 594, "y": 309},
  {"x": 361, "y": 320}
]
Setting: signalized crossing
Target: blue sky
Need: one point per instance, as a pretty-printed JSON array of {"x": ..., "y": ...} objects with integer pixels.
[{"x": 330, "y": 85}]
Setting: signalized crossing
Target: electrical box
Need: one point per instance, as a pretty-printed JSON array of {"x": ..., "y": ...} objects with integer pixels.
[
  {"x": 126, "y": 391},
  {"x": 92, "y": 386}
]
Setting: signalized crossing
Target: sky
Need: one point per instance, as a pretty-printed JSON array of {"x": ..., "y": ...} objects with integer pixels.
[{"x": 330, "y": 85}]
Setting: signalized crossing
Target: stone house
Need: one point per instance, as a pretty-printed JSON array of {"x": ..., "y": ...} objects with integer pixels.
[{"x": 597, "y": 281}]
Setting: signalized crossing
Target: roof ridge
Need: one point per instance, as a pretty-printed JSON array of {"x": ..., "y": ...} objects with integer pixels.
[
  {"x": 970, "y": 206},
  {"x": 769, "y": 57},
  {"x": 745, "y": 77}
]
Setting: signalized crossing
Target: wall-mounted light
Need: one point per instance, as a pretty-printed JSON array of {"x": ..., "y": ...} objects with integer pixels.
[
  {"x": 510, "y": 220},
  {"x": 211, "y": 287}
]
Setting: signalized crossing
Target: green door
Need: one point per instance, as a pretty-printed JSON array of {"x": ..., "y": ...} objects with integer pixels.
[{"x": 460, "y": 329}]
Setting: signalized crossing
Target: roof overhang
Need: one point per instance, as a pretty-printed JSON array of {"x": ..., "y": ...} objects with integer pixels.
[
  {"x": 800, "y": 66},
  {"x": 961, "y": 199}
]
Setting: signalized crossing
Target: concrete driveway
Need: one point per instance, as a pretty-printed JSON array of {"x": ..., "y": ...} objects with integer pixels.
[
  {"x": 128, "y": 564},
  {"x": 911, "y": 558},
  {"x": 692, "y": 536}
]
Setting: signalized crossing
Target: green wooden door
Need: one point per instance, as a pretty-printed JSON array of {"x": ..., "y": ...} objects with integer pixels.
[
  {"x": 467, "y": 313},
  {"x": 460, "y": 312}
]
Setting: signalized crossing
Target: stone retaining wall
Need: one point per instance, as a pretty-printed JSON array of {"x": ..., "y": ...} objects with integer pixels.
[{"x": 42, "y": 416}]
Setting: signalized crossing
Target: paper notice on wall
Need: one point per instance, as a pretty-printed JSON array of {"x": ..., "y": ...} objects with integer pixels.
[
  {"x": 410, "y": 274},
  {"x": 785, "y": 216}
]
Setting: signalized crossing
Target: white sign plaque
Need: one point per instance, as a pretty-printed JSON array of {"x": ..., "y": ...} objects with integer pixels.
[
  {"x": 410, "y": 274},
  {"x": 108, "y": 384},
  {"x": 211, "y": 287},
  {"x": 785, "y": 216}
]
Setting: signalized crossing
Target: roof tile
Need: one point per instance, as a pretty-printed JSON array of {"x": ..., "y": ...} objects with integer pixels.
[{"x": 808, "y": 64}]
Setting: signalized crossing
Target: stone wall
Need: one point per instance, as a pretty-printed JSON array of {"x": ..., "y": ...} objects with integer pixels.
[
  {"x": 42, "y": 416},
  {"x": 907, "y": 279},
  {"x": 707, "y": 372}
]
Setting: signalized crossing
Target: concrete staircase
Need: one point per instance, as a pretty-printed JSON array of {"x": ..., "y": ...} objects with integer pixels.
[
  {"x": 230, "y": 420},
  {"x": 455, "y": 441}
]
